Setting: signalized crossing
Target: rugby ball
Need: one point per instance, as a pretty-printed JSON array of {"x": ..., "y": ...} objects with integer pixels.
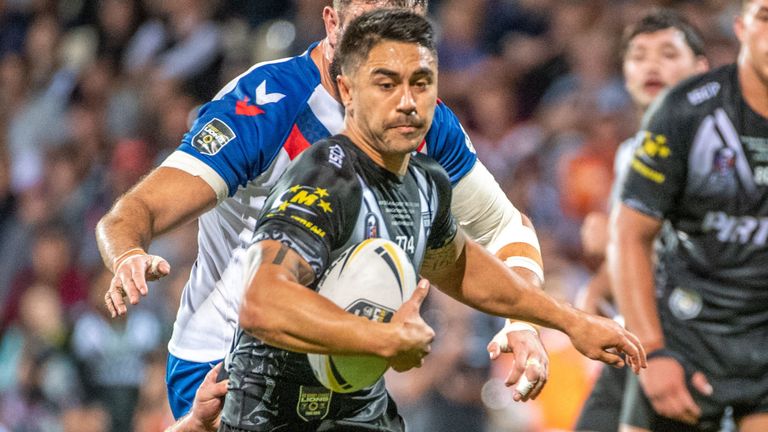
[{"x": 371, "y": 279}]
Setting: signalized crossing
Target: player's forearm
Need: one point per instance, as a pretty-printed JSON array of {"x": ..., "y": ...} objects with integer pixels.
[
  {"x": 189, "y": 423},
  {"x": 485, "y": 283},
  {"x": 126, "y": 226},
  {"x": 631, "y": 273},
  {"x": 283, "y": 313}
]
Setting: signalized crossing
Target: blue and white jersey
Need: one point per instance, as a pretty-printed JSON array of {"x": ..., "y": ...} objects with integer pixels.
[{"x": 240, "y": 144}]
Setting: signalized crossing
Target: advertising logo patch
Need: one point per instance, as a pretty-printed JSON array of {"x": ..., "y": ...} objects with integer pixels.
[
  {"x": 304, "y": 198},
  {"x": 212, "y": 137}
]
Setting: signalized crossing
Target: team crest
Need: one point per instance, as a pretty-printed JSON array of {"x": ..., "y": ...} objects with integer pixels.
[
  {"x": 314, "y": 403},
  {"x": 371, "y": 226},
  {"x": 212, "y": 137},
  {"x": 724, "y": 161}
]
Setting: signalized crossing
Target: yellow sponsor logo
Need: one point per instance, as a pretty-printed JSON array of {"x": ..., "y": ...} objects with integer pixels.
[
  {"x": 305, "y": 196},
  {"x": 654, "y": 146},
  {"x": 648, "y": 172},
  {"x": 309, "y": 225}
]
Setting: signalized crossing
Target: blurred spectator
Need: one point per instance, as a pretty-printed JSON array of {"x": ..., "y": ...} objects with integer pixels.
[
  {"x": 52, "y": 265},
  {"x": 113, "y": 353},
  {"x": 187, "y": 48},
  {"x": 39, "y": 378}
]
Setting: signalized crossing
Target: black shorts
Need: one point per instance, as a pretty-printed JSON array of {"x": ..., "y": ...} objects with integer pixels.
[
  {"x": 602, "y": 409},
  {"x": 296, "y": 408},
  {"x": 735, "y": 365}
]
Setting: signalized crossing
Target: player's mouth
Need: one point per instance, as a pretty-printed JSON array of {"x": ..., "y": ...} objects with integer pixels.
[{"x": 653, "y": 86}]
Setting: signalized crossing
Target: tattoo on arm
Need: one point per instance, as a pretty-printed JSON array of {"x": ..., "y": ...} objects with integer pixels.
[
  {"x": 280, "y": 257},
  {"x": 446, "y": 256}
]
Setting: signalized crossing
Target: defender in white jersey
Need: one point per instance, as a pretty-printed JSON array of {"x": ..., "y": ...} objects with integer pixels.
[{"x": 237, "y": 148}]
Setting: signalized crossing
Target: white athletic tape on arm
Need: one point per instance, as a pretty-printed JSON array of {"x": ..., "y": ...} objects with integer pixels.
[
  {"x": 194, "y": 166},
  {"x": 481, "y": 207}
]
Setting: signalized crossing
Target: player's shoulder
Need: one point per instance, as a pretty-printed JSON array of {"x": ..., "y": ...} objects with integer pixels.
[
  {"x": 431, "y": 169},
  {"x": 333, "y": 154},
  {"x": 699, "y": 94},
  {"x": 268, "y": 82}
]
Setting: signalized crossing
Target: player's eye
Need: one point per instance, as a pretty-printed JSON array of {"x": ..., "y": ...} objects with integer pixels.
[{"x": 386, "y": 85}]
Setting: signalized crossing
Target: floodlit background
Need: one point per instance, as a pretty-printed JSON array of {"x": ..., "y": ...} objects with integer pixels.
[{"x": 94, "y": 93}]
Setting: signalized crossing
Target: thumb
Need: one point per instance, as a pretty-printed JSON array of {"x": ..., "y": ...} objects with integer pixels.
[
  {"x": 420, "y": 293},
  {"x": 701, "y": 384},
  {"x": 494, "y": 350}
]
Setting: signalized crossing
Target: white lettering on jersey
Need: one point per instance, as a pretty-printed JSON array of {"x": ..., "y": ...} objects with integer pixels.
[
  {"x": 703, "y": 93},
  {"x": 336, "y": 156}
]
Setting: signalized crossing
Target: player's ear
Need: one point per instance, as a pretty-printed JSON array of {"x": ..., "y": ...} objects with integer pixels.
[
  {"x": 331, "y": 21},
  {"x": 738, "y": 28},
  {"x": 702, "y": 64},
  {"x": 345, "y": 90}
]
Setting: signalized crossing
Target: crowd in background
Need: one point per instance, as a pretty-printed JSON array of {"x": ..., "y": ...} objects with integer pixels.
[{"x": 94, "y": 93}]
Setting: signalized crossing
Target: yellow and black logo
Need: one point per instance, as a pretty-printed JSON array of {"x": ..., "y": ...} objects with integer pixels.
[
  {"x": 313, "y": 403},
  {"x": 654, "y": 146},
  {"x": 304, "y": 197}
]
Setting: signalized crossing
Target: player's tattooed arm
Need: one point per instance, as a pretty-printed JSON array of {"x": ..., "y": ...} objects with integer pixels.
[{"x": 280, "y": 309}]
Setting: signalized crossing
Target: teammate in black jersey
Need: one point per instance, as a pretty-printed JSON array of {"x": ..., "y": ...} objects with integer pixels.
[
  {"x": 658, "y": 51},
  {"x": 700, "y": 165},
  {"x": 320, "y": 207}
]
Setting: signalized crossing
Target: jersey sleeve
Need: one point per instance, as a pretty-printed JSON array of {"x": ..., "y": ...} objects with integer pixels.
[
  {"x": 313, "y": 206},
  {"x": 657, "y": 167},
  {"x": 238, "y": 135},
  {"x": 449, "y": 144},
  {"x": 444, "y": 225}
]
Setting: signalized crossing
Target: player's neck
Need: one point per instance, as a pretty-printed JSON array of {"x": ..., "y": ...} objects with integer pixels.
[
  {"x": 322, "y": 56},
  {"x": 394, "y": 163},
  {"x": 753, "y": 88}
]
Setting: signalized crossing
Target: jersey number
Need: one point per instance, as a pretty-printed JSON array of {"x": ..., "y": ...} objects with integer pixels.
[{"x": 405, "y": 243}]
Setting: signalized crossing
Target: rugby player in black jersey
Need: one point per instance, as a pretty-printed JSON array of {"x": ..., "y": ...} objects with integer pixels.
[
  {"x": 389, "y": 87},
  {"x": 658, "y": 51},
  {"x": 700, "y": 164}
]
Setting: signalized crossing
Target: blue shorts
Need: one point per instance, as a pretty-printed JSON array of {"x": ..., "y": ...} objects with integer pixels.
[{"x": 182, "y": 378}]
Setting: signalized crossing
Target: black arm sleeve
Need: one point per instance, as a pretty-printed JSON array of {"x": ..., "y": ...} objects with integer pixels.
[
  {"x": 312, "y": 205},
  {"x": 657, "y": 173}
]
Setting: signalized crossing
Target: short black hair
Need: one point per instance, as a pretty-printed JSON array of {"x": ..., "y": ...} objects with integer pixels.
[
  {"x": 342, "y": 5},
  {"x": 662, "y": 19},
  {"x": 373, "y": 27}
]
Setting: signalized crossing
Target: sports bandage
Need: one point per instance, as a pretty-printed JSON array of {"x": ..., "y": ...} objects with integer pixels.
[
  {"x": 501, "y": 336},
  {"x": 524, "y": 385}
]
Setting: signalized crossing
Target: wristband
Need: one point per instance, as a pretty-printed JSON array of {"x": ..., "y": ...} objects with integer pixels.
[
  {"x": 664, "y": 352},
  {"x": 122, "y": 257}
]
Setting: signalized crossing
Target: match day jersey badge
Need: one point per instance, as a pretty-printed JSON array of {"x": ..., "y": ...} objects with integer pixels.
[
  {"x": 212, "y": 137},
  {"x": 314, "y": 403}
]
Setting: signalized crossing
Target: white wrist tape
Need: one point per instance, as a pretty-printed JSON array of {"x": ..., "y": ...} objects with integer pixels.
[
  {"x": 526, "y": 263},
  {"x": 518, "y": 326}
]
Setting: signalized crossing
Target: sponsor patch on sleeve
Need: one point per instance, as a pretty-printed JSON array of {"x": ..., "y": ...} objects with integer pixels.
[{"x": 212, "y": 137}]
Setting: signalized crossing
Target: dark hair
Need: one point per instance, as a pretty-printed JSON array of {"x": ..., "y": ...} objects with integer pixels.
[
  {"x": 342, "y": 5},
  {"x": 662, "y": 19},
  {"x": 373, "y": 27}
]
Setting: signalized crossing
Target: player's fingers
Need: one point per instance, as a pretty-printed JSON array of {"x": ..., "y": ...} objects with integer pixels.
[
  {"x": 641, "y": 359},
  {"x": 493, "y": 350},
  {"x": 158, "y": 267},
  {"x": 420, "y": 293},
  {"x": 701, "y": 384},
  {"x": 116, "y": 296},
  {"x": 110, "y": 306},
  {"x": 139, "y": 268},
  {"x": 518, "y": 372},
  {"x": 632, "y": 352},
  {"x": 539, "y": 386},
  {"x": 612, "y": 359}
]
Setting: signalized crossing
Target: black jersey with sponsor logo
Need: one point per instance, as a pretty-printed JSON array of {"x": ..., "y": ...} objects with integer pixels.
[
  {"x": 330, "y": 198},
  {"x": 702, "y": 164}
]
